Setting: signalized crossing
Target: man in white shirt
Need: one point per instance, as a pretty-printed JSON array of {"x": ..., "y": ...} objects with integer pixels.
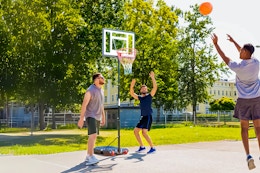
[{"x": 248, "y": 87}]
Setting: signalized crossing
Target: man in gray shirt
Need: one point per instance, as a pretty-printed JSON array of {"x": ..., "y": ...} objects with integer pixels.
[
  {"x": 248, "y": 87},
  {"x": 92, "y": 110}
]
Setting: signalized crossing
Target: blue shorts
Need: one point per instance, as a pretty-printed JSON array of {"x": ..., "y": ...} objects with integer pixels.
[
  {"x": 247, "y": 109},
  {"x": 145, "y": 122}
]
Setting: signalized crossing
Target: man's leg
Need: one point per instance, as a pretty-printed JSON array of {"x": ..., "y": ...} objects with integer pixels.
[
  {"x": 257, "y": 130},
  {"x": 147, "y": 137},
  {"x": 244, "y": 134},
  {"x": 91, "y": 143},
  {"x": 149, "y": 140},
  {"x": 138, "y": 137}
]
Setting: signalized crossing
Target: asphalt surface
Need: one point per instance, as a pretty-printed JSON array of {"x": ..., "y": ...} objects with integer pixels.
[{"x": 204, "y": 157}]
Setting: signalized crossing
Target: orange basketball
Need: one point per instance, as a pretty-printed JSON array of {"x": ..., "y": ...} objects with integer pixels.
[{"x": 205, "y": 8}]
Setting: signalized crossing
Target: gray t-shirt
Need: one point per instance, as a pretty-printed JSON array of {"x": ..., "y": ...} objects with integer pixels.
[
  {"x": 247, "y": 81},
  {"x": 96, "y": 103}
]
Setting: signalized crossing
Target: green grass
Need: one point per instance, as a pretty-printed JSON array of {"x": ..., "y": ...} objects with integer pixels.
[{"x": 57, "y": 141}]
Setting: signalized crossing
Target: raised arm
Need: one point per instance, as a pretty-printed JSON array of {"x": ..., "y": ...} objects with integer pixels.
[
  {"x": 220, "y": 52},
  {"x": 233, "y": 41},
  {"x": 132, "y": 92},
  {"x": 154, "y": 83}
]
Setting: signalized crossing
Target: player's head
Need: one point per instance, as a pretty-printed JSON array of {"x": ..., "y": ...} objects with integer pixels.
[
  {"x": 246, "y": 51},
  {"x": 98, "y": 78},
  {"x": 143, "y": 89}
]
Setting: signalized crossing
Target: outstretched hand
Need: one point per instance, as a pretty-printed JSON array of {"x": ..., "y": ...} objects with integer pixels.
[
  {"x": 230, "y": 38},
  {"x": 214, "y": 38},
  {"x": 151, "y": 74}
]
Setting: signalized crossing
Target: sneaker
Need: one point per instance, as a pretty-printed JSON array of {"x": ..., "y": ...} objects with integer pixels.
[
  {"x": 92, "y": 160},
  {"x": 141, "y": 149},
  {"x": 152, "y": 150},
  {"x": 250, "y": 162},
  {"x": 87, "y": 158}
]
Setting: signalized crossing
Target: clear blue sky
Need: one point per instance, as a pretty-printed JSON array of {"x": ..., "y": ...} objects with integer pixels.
[{"x": 239, "y": 18}]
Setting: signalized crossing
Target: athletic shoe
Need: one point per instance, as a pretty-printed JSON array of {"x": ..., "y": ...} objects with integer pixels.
[
  {"x": 250, "y": 162},
  {"x": 141, "y": 149},
  {"x": 87, "y": 158},
  {"x": 152, "y": 150},
  {"x": 92, "y": 160}
]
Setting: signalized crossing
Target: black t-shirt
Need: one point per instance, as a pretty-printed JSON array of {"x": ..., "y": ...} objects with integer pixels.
[{"x": 146, "y": 105}]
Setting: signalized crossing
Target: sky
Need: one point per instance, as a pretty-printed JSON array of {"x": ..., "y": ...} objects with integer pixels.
[{"x": 239, "y": 18}]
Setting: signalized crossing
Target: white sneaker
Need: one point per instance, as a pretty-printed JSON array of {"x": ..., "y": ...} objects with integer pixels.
[
  {"x": 250, "y": 162},
  {"x": 92, "y": 160},
  {"x": 87, "y": 158}
]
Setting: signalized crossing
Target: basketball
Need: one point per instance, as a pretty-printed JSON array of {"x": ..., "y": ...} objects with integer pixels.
[{"x": 205, "y": 8}]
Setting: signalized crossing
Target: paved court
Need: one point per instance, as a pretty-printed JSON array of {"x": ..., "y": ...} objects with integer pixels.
[{"x": 204, "y": 157}]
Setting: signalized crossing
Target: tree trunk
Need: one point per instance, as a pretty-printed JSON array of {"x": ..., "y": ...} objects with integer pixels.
[
  {"x": 41, "y": 116},
  {"x": 32, "y": 109},
  {"x": 158, "y": 115},
  {"x": 194, "y": 113},
  {"x": 53, "y": 119}
]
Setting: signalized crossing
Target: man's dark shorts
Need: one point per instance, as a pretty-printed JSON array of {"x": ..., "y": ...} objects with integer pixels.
[
  {"x": 93, "y": 125},
  {"x": 247, "y": 109},
  {"x": 145, "y": 122}
]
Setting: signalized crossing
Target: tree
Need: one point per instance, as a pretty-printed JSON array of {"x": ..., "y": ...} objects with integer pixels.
[
  {"x": 55, "y": 47},
  {"x": 222, "y": 104},
  {"x": 9, "y": 63},
  {"x": 198, "y": 67},
  {"x": 45, "y": 43},
  {"x": 156, "y": 32}
]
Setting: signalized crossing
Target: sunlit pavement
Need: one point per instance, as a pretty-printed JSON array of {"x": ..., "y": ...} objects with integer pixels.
[{"x": 208, "y": 157}]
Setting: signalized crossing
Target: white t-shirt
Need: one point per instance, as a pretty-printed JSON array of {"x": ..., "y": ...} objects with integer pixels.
[{"x": 247, "y": 81}]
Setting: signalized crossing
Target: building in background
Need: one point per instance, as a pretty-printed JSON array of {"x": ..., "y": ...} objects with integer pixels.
[{"x": 221, "y": 88}]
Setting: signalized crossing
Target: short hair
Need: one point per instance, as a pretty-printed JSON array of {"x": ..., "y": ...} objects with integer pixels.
[
  {"x": 249, "y": 47},
  {"x": 143, "y": 86},
  {"x": 96, "y": 75}
]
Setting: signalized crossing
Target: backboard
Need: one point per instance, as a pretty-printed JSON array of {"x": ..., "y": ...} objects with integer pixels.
[{"x": 112, "y": 40}]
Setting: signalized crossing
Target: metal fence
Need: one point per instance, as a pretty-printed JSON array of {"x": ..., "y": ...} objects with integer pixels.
[
  {"x": 164, "y": 119},
  {"x": 212, "y": 117}
]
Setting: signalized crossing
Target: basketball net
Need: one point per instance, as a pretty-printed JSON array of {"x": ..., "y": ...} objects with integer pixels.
[{"x": 126, "y": 56}]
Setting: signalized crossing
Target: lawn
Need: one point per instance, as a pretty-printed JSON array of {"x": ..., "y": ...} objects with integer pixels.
[{"x": 56, "y": 141}]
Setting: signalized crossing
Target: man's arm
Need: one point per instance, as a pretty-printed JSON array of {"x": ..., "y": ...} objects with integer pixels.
[
  {"x": 233, "y": 41},
  {"x": 154, "y": 84},
  {"x": 132, "y": 93},
  {"x": 103, "y": 120},
  {"x": 85, "y": 102},
  {"x": 220, "y": 52}
]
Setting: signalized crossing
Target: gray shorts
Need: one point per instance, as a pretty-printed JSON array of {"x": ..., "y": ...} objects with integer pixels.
[
  {"x": 247, "y": 109},
  {"x": 93, "y": 125}
]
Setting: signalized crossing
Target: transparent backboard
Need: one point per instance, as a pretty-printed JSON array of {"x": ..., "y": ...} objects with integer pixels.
[{"x": 112, "y": 40}]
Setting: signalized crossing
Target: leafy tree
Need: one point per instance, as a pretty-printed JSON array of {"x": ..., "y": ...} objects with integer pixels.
[
  {"x": 98, "y": 15},
  {"x": 8, "y": 63},
  {"x": 222, "y": 104},
  {"x": 198, "y": 67},
  {"x": 156, "y": 32},
  {"x": 45, "y": 42}
]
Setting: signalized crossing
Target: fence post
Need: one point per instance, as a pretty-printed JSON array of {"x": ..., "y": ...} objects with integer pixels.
[{"x": 218, "y": 116}]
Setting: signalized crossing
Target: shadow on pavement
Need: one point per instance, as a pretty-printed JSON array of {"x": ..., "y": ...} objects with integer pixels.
[
  {"x": 137, "y": 156},
  {"x": 94, "y": 168}
]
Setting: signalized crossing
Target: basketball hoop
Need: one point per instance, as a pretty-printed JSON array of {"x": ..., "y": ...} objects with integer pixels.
[{"x": 126, "y": 56}]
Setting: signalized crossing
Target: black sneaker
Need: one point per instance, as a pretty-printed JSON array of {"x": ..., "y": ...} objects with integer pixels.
[
  {"x": 141, "y": 149},
  {"x": 152, "y": 150}
]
